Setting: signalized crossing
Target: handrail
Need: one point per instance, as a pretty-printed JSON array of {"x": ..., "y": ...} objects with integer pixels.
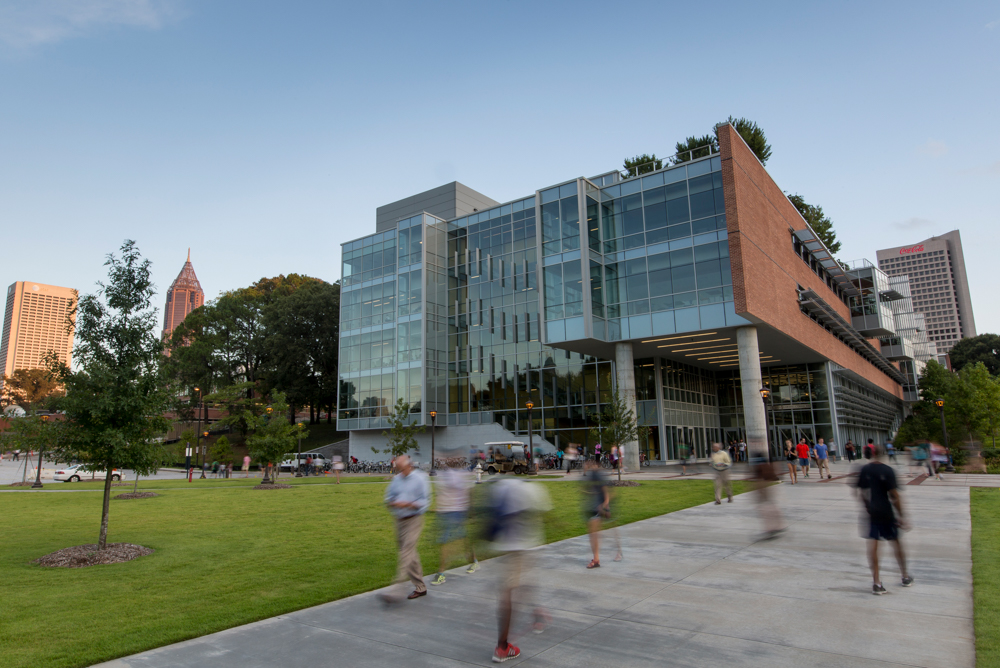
[{"x": 673, "y": 160}]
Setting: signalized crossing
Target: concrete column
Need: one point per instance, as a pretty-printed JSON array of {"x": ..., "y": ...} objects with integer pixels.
[
  {"x": 625, "y": 372},
  {"x": 750, "y": 384}
]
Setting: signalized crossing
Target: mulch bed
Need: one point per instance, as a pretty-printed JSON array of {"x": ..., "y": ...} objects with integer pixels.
[
  {"x": 22, "y": 484},
  {"x": 136, "y": 495},
  {"x": 82, "y": 556},
  {"x": 273, "y": 485},
  {"x": 623, "y": 483},
  {"x": 121, "y": 484}
]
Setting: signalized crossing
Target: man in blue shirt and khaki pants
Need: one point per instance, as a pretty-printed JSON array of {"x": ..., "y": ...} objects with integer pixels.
[{"x": 408, "y": 497}]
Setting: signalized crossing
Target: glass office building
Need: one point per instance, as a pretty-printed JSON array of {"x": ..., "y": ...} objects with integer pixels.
[{"x": 617, "y": 280}]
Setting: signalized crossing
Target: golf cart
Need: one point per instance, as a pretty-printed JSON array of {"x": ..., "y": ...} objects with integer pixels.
[{"x": 508, "y": 457}]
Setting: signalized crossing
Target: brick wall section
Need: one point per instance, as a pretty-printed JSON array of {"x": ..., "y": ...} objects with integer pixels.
[{"x": 766, "y": 270}]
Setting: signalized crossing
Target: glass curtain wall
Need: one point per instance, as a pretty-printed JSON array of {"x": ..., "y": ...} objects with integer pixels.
[
  {"x": 690, "y": 409},
  {"x": 665, "y": 254},
  {"x": 368, "y": 330},
  {"x": 497, "y": 361}
]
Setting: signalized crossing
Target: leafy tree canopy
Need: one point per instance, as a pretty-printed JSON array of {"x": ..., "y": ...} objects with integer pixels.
[
  {"x": 616, "y": 425},
  {"x": 28, "y": 388},
  {"x": 641, "y": 164},
  {"x": 984, "y": 348},
  {"x": 696, "y": 147},
  {"x": 115, "y": 401},
  {"x": 818, "y": 221},
  {"x": 303, "y": 330},
  {"x": 754, "y": 136}
]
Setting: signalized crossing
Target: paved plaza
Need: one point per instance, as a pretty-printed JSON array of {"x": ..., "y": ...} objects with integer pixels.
[{"x": 696, "y": 588}]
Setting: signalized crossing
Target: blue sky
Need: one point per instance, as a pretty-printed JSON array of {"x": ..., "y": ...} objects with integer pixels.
[{"x": 264, "y": 134}]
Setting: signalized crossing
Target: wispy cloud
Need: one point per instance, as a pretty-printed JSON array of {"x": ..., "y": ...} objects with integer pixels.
[
  {"x": 933, "y": 148},
  {"x": 912, "y": 224},
  {"x": 992, "y": 24},
  {"x": 27, "y": 23}
]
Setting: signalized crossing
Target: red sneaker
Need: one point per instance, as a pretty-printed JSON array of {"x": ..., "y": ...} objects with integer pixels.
[{"x": 500, "y": 654}]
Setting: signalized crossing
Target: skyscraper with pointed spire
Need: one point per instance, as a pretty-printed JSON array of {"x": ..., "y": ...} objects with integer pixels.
[{"x": 185, "y": 295}]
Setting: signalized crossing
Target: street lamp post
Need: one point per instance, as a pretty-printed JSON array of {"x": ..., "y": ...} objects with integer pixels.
[
  {"x": 197, "y": 439},
  {"x": 765, "y": 395},
  {"x": 38, "y": 472},
  {"x": 531, "y": 446},
  {"x": 298, "y": 460},
  {"x": 433, "y": 415},
  {"x": 944, "y": 432},
  {"x": 267, "y": 467}
]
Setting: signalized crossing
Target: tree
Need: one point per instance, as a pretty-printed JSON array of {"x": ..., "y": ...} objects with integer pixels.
[
  {"x": 616, "y": 425},
  {"x": 273, "y": 435},
  {"x": 221, "y": 451},
  {"x": 115, "y": 400},
  {"x": 984, "y": 348},
  {"x": 28, "y": 388},
  {"x": 642, "y": 164},
  {"x": 302, "y": 333},
  {"x": 696, "y": 147},
  {"x": 30, "y": 434},
  {"x": 402, "y": 434},
  {"x": 818, "y": 221},
  {"x": 753, "y": 135}
]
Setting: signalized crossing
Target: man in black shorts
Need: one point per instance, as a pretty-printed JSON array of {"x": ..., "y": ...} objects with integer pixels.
[{"x": 880, "y": 495}]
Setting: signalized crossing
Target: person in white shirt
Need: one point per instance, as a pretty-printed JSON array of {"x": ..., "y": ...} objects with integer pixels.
[
  {"x": 452, "y": 490},
  {"x": 516, "y": 509}
]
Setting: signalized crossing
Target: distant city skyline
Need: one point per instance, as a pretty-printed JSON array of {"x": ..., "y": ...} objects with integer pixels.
[{"x": 245, "y": 132}]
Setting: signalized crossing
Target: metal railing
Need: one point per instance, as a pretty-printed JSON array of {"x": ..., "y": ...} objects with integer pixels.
[{"x": 657, "y": 164}]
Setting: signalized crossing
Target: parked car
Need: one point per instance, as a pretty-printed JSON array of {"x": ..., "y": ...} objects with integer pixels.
[
  {"x": 288, "y": 464},
  {"x": 80, "y": 472}
]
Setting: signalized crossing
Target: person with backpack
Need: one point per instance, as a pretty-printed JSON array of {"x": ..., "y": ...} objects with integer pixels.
[
  {"x": 514, "y": 527},
  {"x": 879, "y": 494}
]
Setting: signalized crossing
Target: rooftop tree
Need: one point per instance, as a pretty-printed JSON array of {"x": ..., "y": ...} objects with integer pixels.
[
  {"x": 115, "y": 400},
  {"x": 818, "y": 221}
]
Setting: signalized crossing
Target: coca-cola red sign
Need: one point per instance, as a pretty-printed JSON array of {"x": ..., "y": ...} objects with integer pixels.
[{"x": 919, "y": 248}]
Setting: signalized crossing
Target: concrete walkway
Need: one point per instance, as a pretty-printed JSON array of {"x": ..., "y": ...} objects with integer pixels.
[{"x": 696, "y": 588}]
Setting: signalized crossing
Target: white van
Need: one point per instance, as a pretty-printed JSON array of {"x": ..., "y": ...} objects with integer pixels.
[{"x": 288, "y": 464}]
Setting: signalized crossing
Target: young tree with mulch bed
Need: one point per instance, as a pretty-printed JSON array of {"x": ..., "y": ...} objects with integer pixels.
[
  {"x": 273, "y": 435},
  {"x": 115, "y": 400}
]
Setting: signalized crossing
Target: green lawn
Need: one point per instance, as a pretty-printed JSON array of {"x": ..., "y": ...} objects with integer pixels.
[
  {"x": 224, "y": 557},
  {"x": 986, "y": 573}
]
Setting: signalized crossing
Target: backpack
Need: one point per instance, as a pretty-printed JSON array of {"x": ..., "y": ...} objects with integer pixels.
[{"x": 497, "y": 513}]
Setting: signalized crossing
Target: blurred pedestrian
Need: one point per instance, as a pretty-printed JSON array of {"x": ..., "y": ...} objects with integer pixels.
[
  {"x": 684, "y": 451},
  {"x": 571, "y": 455},
  {"x": 515, "y": 528},
  {"x": 849, "y": 449},
  {"x": 559, "y": 458},
  {"x": 721, "y": 462},
  {"x": 452, "y": 492},
  {"x": 791, "y": 458},
  {"x": 742, "y": 447},
  {"x": 246, "y": 466},
  {"x": 408, "y": 496},
  {"x": 822, "y": 458},
  {"x": 338, "y": 466},
  {"x": 802, "y": 450},
  {"x": 880, "y": 495},
  {"x": 596, "y": 509},
  {"x": 939, "y": 458},
  {"x": 869, "y": 449},
  {"x": 890, "y": 450},
  {"x": 763, "y": 477}
]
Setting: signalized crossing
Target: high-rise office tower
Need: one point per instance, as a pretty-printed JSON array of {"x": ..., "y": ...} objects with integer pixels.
[
  {"x": 939, "y": 285},
  {"x": 185, "y": 295},
  {"x": 36, "y": 322}
]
